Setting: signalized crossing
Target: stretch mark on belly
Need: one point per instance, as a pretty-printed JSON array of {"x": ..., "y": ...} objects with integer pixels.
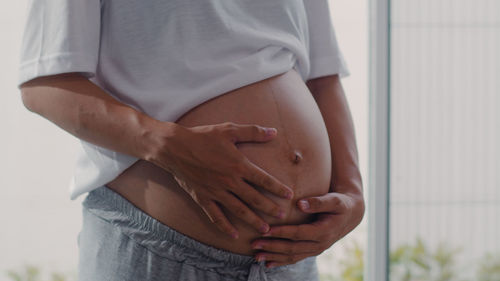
[
  {"x": 296, "y": 154},
  {"x": 279, "y": 116}
]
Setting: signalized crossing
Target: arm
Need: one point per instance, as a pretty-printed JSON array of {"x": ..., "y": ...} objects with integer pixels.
[
  {"x": 330, "y": 97},
  {"x": 84, "y": 110},
  {"x": 210, "y": 175},
  {"x": 340, "y": 210}
]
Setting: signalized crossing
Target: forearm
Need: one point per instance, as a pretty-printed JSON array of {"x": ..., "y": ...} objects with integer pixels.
[
  {"x": 84, "y": 110},
  {"x": 331, "y": 100}
]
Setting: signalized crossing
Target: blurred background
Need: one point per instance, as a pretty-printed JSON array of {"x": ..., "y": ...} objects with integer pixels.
[
  {"x": 438, "y": 211},
  {"x": 444, "y": 139}
]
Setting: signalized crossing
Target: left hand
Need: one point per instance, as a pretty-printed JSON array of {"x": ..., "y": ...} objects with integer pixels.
[{"x": 338, "y": 214}]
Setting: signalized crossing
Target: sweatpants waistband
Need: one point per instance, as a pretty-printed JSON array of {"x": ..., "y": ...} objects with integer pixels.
[
  {"x": 163, "y": 241},
  {"x": 114, "y": 208}
]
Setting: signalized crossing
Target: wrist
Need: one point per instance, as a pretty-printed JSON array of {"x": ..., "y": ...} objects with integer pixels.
[
  {"x": 358, "y": 208},
  {"x": 353, "y": 189},
  {"x": 156, "y": 137}
]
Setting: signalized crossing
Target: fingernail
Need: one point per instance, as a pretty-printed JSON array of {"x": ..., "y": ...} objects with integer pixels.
[
  {"x": 304, "y": 204},
  {"x": 234, "y": 234},
  {"x": 261, "y": 258},
  {"x": 270, "y": 131},
  {"x": 289, "y": 195},
  {"x": 264, "y": 228}
]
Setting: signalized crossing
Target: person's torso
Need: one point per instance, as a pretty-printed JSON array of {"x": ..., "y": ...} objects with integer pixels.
[
  {"x": 164, "y": 58},
  {"x": 299, "y": 157},
  {"x": 156, "y": 55}
]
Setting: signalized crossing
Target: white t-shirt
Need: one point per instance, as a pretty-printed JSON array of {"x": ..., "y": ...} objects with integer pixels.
[{"x": 165, "y": 57}]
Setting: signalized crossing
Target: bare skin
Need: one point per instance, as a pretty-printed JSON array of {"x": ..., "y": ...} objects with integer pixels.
[
  {"x": 83, "y": 109},
  {"x": 298, "y": 156},
  {"x": 342, "y": 208},
  {"x": 86, "y": 111}
]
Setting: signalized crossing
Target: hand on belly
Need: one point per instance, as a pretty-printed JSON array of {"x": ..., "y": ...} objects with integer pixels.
[
  {"x": 215, "y": 174},
  {"x": 247, "y": 177}
]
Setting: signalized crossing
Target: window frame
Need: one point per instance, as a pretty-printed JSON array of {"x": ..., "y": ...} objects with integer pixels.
[{"x": 377, "y": 250}]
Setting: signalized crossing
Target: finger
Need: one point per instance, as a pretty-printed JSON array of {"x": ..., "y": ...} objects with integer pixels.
[
  {"x": 258, "y": 176},
  {"x": 307, "y": 232},
  {"x": 279, "y": 258},
  {"x": 286, "y": 247},
  {"x": 251, "y": 133},
  {"x": 331, "y": 202},
  {"x": 257, "y": 200},
  {"x": 240, "y": 210},
  {"x": 217, "y": 217}
]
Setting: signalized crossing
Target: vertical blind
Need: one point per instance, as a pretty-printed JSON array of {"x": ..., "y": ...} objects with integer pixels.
[{"x": 445, "y": 139}]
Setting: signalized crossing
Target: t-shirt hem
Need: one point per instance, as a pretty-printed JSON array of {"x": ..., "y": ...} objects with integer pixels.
[
  {"x": 329, "y": 66},
  {"x": 56, "y": 64}
]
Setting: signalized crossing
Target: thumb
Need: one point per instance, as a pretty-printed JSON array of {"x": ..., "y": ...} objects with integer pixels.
[
  {"x": 328, "y": 203},
  {"x": 253, "y": 133}
]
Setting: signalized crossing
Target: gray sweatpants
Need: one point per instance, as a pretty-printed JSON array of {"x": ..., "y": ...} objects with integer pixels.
[{"x": 119, "y": 242}]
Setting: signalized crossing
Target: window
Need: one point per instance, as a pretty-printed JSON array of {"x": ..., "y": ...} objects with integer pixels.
[{"x": 436, "y": 98}]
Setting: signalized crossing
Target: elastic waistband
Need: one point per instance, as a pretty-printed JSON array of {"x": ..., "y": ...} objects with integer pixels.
[{"x": 156, "y": 236}]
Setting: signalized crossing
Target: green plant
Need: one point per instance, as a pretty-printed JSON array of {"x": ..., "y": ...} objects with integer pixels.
[
  {"x": 408, "y": 262},
  {"x": 489, "y": 268},
  {"x": 353, "y": 265},
  {"x": 32, "y": 273},
  {"x": 328, "y": 277},
  {"x": 418, "y": 263}
]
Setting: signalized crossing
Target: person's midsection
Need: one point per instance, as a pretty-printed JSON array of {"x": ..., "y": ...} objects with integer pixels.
[{"x": 299, "y": 156}]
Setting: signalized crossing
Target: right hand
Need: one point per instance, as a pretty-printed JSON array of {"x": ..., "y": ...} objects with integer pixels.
[{"x": 206, "y": 163}]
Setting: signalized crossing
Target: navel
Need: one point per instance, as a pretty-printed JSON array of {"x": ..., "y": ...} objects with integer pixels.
[{"x": 297, "y": 156}]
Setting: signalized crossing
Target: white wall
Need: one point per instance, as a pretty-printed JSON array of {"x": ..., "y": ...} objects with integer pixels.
[{"x": 38, "y": 222}]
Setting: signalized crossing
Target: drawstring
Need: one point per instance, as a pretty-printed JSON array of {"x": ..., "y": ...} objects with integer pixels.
[{"x": 257, "y": 272}]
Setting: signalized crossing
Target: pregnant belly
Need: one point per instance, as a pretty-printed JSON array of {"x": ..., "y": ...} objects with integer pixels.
[{"x": 299, "y": 156}]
